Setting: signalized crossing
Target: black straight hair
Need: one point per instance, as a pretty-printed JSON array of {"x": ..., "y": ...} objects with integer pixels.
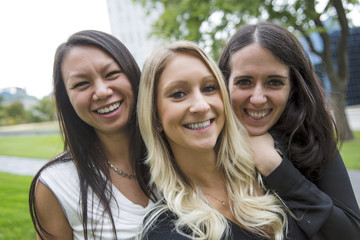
[{"x": 81, "y": 144}]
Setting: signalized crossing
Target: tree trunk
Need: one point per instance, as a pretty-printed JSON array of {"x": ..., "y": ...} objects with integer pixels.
[
  {"x": 338, "y": 94},
  {"x": 338, "y": 76},
  {"x": 338, "y": 102},
  {"x": 343, "y": 67}
]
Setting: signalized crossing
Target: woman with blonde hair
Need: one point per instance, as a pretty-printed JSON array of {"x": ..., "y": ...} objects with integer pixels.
[{"x": 198, "y": 156}]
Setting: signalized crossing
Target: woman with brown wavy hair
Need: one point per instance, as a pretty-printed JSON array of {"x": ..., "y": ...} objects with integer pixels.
[{"x": 274, "y": 89}]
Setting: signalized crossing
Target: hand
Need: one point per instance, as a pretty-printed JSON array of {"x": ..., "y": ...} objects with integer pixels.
[{"x": 266, "y": 158}]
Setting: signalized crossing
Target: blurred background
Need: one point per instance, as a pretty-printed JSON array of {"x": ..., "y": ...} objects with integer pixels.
[{"x": 32, "y": 30}]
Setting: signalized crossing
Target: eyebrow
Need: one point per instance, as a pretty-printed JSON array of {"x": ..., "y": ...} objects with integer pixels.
[
  {"x": 167, "y": 87},
  {"x": 277, "y": 76},
  {"x": 185, "y": 82},
  {"x": 76, "y": 75},
  {"x": 270, "y": 76},
  {"x": 84, "y": 75}
]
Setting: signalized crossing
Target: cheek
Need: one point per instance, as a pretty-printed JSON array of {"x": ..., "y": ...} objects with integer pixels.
[
  {"x": 284, "y": 98},
  {"x": 281, "y": 102},
  {"x": 237, "y": 97},
  {"x": 78, "y": 104},
  {"x": 132, "y": 102},
  {"x": 165, "y": 115}
]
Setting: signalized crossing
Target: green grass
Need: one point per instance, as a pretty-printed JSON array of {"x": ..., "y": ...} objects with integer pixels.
[
  {"x": 48, "y": 146},
  {"x": 15, "y": 221},
  {"x": 36, "y": 146},
  {"x": 350, "y": 152}
]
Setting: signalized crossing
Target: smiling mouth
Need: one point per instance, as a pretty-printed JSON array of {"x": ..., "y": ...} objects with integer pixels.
[
  {"x": 198, "y": 126},
  {"x": 109, "y": 109},
  {"x": 257, "y": 115}
]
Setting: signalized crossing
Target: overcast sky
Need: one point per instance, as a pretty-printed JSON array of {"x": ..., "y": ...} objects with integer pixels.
[{"x": 31, "y": 30}]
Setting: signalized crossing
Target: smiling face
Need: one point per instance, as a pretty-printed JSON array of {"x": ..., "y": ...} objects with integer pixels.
[
  {"x": 259, "y": 86},
  {"x": 98, "y": 90},
  {"x": 189, "y": 104}
]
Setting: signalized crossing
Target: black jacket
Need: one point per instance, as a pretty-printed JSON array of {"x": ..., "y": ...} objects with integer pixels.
[
  {"x": 326, "y": 210},
  {"x": 164, "y": 229}
]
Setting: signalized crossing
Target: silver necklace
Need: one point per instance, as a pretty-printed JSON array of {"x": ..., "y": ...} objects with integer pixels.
[
  {"x": 221, "y": 201},
  {"x": 121, "y": 173}
]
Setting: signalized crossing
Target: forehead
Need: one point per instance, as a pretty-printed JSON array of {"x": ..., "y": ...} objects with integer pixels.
[
  {"x": 181, "y": 64},
  {"x": 183, "y": 68},
  {"x": 183, "y": 58},
  {"x": 81, "y": 58},
  {"x": 257, "y": 57},
  {"x": 84, "y": 52}
]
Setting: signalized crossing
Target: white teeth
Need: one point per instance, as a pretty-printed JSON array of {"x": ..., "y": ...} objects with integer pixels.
[
  {"x": 257, "y": 115},
  {"x": 197, "y": 126},
  {"x": 108, "y": 109}
]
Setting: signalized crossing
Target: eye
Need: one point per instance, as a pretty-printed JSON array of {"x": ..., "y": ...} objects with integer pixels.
[
  {"x": 112, "y": 74},
  {"x": 243, "y": 82},
  {"x": 177, "y": 94},
  {"x": 80, "y": 84},
  {"x": 209, "y": 88},
  {"x": 276, "y": 82}
]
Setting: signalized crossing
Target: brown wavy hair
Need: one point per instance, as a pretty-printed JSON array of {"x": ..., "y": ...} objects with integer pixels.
[{"x": 305, "y": 131}]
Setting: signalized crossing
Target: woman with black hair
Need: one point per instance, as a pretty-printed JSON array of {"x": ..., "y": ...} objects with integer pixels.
[{"x": 98, "y": 187}]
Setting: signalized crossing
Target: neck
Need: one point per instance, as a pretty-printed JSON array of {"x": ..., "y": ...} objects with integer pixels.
[
  {"x": 199, "y": 167},
  {"x": 116, "y": 148}
]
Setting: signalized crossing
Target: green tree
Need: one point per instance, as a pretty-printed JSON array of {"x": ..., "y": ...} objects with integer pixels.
[
  {"x": 44, "y": 110},
  {"x": 211, "y": 23},
  {"x": 2, "y": 112},
  {"x": 1, "y": 102},
  {"x": 15, "y": 113}
]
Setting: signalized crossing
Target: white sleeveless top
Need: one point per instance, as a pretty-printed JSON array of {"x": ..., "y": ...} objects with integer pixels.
[{"x": 62, "y": 179}]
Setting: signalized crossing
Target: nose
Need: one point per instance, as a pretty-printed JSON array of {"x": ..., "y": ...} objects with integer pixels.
[
  {"x": 102, "y": 91},
  {"x": 258, "y": 96},
  {"x": 199, "y": 104}
]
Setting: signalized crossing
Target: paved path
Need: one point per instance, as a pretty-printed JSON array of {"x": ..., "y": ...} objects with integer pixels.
[
  {"x": 353, "y": 115},
  {"x": 30, "y": 166},
  {"x": 355, "y": 181},
  {"x": 21, "y": 166}
]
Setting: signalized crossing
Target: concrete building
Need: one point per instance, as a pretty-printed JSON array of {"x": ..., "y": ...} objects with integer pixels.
[
  {"x": 353, "y": 86},
  {"x": 15, "y": 94},
  {"x": 131, "y": 25}
]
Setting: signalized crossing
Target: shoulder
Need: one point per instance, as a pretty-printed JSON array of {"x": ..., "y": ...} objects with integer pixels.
[
  {"x": 60, "y": 171},
  {"x": 61, "y": 161}
]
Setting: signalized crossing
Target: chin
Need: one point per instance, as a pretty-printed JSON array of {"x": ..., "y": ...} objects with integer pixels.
[
  {"x": 206, "y": 147},
  {"x": 256, "y": 132}
]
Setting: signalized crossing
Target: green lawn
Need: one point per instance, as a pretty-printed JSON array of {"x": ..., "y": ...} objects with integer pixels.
[
  {"x": 15, "y": 221},
  {"x": 350, "y": 152},
  {"x": 36, "y": 146},
  {"x": 48, "y": 146}
]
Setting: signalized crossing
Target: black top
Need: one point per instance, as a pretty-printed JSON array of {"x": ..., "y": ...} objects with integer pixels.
[
  {"x": 328, "y": 209},
  {"x": 164, "y": 229}
]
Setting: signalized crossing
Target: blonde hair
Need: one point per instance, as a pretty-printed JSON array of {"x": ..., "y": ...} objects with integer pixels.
[{"x": 262, "y": 215}]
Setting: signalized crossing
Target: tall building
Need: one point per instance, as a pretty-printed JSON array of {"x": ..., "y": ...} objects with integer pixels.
[
  {"x": 353, "y": 85},
  {"x": 131, "y": 25}
]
